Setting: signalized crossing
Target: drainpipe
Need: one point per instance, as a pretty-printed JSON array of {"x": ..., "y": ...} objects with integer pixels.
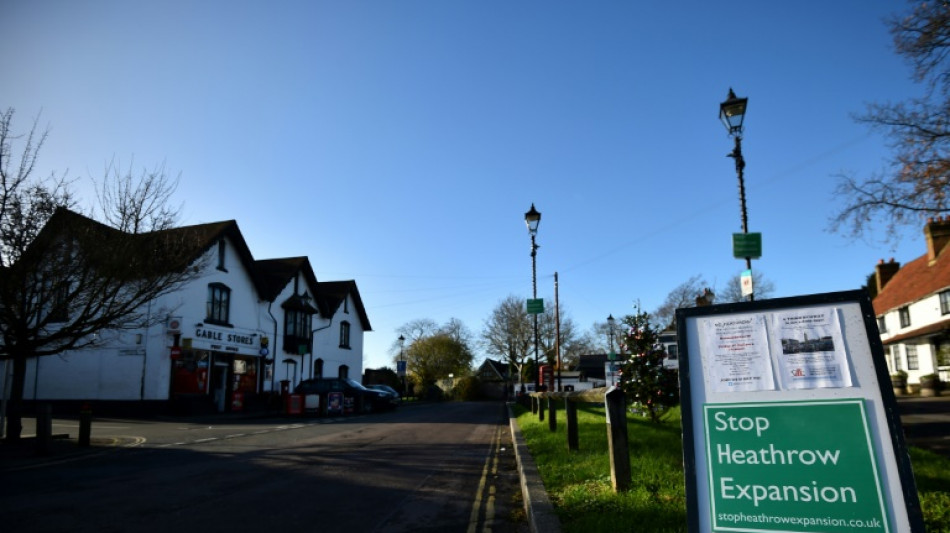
[{"x": 273, "y": 348}]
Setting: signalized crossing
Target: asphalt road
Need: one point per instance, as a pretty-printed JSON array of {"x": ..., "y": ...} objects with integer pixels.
[{"x": 445, "y": 467}]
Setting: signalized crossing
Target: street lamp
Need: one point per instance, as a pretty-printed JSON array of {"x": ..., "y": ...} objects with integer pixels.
[
  {"x": 402, "y": 363},
  {"x": 732, "y": 114},
  {"x": 532, "y": 219},
  {"x": 610, "y": 335}
]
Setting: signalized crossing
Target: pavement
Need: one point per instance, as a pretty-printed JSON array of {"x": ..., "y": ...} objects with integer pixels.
[{"x": 926, "y": 423}]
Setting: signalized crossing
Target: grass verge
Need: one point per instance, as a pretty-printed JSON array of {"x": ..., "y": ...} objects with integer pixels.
[{"x": 578, "y": 482}]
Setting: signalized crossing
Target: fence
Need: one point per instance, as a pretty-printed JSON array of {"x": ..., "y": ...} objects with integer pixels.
[{"x": 615, "y": 407}]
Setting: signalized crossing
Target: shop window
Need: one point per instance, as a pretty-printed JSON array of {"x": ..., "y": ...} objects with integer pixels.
[
  {"x": 219, "y": 304},
  {"x": 945, "y": 302},
  {"x": 222, "y": 252},
  {"x": 881, "y": 325},
  {"x": 904, "y": 313},
  {"x": 318, "y": 368},
  {"x": 344, "y": 335},
  {"x": 344, "y": 371},
  {"x": 912, "y": 363}
]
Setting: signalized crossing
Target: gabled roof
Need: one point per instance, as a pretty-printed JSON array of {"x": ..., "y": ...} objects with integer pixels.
[
  {"x": 332, "y": 293},
  {"x": 502, "y": 370},
  {"x": 914, "y": 281},
  {"x": 275, "y": 274}
]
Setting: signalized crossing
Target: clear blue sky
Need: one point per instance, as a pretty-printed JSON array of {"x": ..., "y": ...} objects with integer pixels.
[{"x": 399, "y": 143}]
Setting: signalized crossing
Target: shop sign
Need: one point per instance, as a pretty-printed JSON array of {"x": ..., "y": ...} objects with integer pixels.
[
  {"x": 225, "y": 340},
  {"x": 792, "y": 466}
]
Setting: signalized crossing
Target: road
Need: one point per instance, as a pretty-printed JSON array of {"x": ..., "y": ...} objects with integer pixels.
[{"x": 443, "y": 467}]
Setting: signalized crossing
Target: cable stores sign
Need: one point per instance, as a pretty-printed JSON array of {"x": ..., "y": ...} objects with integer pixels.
[{"x": 793, "y": 466}]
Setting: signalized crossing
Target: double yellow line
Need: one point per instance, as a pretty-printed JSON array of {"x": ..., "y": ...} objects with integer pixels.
[{"x": 489, "y": 471}]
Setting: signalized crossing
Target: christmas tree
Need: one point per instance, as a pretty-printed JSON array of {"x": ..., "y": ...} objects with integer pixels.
[{"x": 644, "y": 379}]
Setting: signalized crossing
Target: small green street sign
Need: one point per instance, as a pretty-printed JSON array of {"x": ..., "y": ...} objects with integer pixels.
[
  {"x": 535, "y": 306},
  {"x": 793, "y": 466},
  {"x": 747, "y": 245}
]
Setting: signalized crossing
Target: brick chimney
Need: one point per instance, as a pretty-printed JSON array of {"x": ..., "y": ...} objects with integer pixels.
[
  {"x": 884, "y": 272},
  {"x": 937, "y": 232}
]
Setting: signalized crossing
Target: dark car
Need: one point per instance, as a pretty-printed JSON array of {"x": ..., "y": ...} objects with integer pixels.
[
  {"x": 353, "y": 396},
  {"x": 393, "y": 395}
]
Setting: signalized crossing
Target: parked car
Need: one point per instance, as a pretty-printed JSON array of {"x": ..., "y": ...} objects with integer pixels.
[
  {"x": 388, "y": 390},
  {"x": 364, "y": 400}
]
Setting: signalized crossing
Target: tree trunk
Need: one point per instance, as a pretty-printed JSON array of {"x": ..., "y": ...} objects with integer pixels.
[{"x": 15, "y": 405}]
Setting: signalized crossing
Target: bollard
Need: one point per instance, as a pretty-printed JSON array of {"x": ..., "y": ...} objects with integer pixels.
[
  {"x": 44, "y": 428},
  {"x": 618, "y": 445},
  {"x": 570, "y": 413},
  {"x": 552, "y": 419},
  {"x": 85, "y": 424}
]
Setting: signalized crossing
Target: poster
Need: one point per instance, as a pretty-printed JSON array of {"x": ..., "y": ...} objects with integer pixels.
[
  {"x": 737, "y": 354},
  {"x": 810, "y": 350}
]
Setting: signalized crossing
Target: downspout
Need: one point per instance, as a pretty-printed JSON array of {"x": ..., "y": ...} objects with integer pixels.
[{"x": 273, "y": 348}]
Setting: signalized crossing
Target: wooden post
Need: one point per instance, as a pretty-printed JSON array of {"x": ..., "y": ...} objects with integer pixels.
[
  {"x": 534, "y": 404},
  {"x": 619, "y": 447},
  {"x": 540, "y": 409},
  {"x": 552, "y": 418},
  {"x": 85, "y": 425},
  {"x": 570, "y": 413},
  {"x": 44, "y": 428}
]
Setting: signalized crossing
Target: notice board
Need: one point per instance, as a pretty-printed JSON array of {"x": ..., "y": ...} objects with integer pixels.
[{"x": 789, "y": 420}]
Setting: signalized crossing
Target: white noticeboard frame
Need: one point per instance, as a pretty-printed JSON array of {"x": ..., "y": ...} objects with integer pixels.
[{"x": 822, "y": 351}]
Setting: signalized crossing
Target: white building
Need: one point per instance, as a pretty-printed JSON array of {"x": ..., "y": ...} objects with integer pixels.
[
  {"x": 239, "y": 331},
  {"x": 913, "y": 308}
]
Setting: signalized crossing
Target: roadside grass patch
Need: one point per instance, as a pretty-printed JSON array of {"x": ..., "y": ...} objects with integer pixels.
[{"x": 578, "y": 483}]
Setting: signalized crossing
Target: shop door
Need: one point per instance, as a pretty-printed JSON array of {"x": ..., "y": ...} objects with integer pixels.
[{"x": 219, "y": 392}]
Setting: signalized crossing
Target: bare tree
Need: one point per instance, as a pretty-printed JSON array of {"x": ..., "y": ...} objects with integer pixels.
[
  {"x": 684, "y": 295},
  {"x": 916, "y": 184},
  {"x": 509, "y": 333},
  {"x": 66, "y": 278},
  {"x": 764, "y": 288}
]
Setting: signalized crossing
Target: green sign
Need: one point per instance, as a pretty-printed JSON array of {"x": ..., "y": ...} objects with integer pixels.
[
  {"x": 793, "y": 466},
  {"x": 746, "y": 245},
  {"x": 535, "y": 306}
]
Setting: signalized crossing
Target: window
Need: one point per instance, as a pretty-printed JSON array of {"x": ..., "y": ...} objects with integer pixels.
[
  {"x": 911, "y": 350},
  {"x": 344, "y": 335},
  {"x": 945, "y": 302},
  {"x": 59, "y": 311},
  {"x": 222, "y": 248},
  {"x": 896, "y": 352},
  {"x": 318, "y": 368},
  {"x": 344, "y": 371},
  {"x": 881, "y": 325},
  {"x": 297, "y": 330},
  {"x": 672, "y": 351},
  {"x": 904, "y": 313},
  {"x": 219, "y": 304}
]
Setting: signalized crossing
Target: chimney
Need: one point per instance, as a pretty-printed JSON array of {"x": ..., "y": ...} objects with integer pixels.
[
  {"x": 937, "y": 232},
  {"x": 884, "y": 272}
]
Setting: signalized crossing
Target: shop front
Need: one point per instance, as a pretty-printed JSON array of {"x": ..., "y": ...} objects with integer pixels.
[{"x": 216, "y": 368}]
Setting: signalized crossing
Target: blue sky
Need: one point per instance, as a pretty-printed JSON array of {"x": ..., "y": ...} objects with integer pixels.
[{"x": 399, "y": 143}]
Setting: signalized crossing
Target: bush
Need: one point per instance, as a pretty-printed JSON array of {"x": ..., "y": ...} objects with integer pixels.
[{"x": 467, "y": 389}]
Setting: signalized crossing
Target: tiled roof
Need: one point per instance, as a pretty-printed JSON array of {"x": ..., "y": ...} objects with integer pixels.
[
  {"x": 332, "y": 294},
  {"x": 914, "y": 281}
]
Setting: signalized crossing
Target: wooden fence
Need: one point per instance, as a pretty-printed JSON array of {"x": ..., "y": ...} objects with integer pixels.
[{"x": 615, "y": 407}]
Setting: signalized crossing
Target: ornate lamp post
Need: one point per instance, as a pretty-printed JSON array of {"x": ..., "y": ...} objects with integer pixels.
[
  {"x": 402, "y": 363},
  {"x": 532, "y": 219},
  {"x": 732, "y": 114},
  {"x": 610, "y": 335}
]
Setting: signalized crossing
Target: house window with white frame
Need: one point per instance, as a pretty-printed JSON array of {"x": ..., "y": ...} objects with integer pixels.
[
  {"x": 896, "y": 353},
  {"x": 881, "y": 325},
  {"x": 904, "y": 313},
  {"x": 912, "y": 363},
  {"x": 945, "y": 302}
]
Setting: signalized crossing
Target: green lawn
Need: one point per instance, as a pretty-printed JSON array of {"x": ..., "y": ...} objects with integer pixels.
[{"x": 579, "y": 482}]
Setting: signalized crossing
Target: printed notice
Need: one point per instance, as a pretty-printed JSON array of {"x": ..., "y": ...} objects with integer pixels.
[
  {"x": 737, "y": 354},
  {"x": 812, "y": 353}
]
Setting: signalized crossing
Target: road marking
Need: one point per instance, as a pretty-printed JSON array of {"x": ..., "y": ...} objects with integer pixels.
[{"x": 491, "y": 466}]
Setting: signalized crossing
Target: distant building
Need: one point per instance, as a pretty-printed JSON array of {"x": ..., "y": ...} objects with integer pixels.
[{"x": 912, "y": 306}]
